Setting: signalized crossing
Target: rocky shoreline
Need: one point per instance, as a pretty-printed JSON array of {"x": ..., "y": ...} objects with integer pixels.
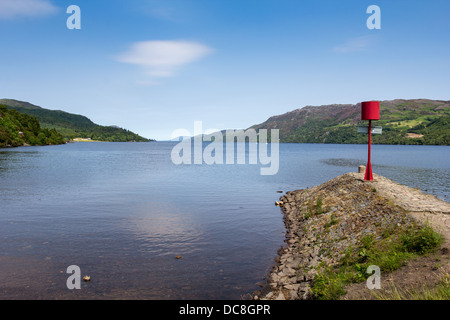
[{"x": 324, "y": 222}]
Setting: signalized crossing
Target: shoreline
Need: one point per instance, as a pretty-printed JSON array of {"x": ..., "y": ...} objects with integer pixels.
[
  {"x": 323, "y": 222},
  {"x": 29, "y": 145}
]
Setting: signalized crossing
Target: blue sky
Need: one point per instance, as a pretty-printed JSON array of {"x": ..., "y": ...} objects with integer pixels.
[{"x": 159, "y": 65}]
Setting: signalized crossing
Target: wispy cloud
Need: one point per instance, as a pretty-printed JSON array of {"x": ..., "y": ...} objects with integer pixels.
[
  {"x": 32, "y": 8},
  {"x": 164, "y": 58},
  {"x": 355, "y": 44}
]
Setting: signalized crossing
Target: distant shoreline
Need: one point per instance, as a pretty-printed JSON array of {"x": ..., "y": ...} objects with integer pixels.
[
  {"x": 29, "y": 145},
  {"x": 72, "y": 141},
  {"x": 83, "y": 140}
]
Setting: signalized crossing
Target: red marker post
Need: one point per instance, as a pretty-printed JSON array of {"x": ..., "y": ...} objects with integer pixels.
[{"x": 370, "y": 110}]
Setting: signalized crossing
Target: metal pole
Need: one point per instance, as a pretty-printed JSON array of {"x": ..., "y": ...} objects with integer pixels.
[{"x": 369, "y": 176}]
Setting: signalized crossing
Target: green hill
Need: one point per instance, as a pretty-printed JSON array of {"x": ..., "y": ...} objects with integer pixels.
[
  {"x": 416, "y": 121},
  {"x": 19, "y": 129},
  {"x": 72, "y": 125}
]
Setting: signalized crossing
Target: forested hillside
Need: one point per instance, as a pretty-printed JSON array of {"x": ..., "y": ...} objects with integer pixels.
[
  {"x": 18, "y": 129},
  {"x": 417, "y": 121},
  {"x": 72, "y": 126}
]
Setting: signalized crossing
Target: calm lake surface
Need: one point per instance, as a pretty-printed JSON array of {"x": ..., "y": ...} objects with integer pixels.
[{"x": 123, "y": 211}]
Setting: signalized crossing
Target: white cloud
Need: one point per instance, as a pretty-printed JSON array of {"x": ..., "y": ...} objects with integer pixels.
[
  {"x": 163, "y": 58},
  {"x": 15, "y": 8},
  {"x": 355, "y": 44}
]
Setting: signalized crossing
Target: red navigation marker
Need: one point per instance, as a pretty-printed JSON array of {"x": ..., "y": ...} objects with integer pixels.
[{"x": 370, "y": 110}]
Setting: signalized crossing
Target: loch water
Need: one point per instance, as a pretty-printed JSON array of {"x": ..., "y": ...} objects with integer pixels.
[{"x": 123, "y": 212}]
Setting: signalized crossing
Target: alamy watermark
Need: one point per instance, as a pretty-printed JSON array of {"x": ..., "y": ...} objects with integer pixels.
[
  {"x": 228, "y": 147},
  {"x": 73, "y": 281},
  {"x": 374, "y": 21},
  {"x": 74, "y": 20},
  {"x": 374, "y": 281}
]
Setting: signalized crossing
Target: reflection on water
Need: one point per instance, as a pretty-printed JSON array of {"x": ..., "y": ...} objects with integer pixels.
[
  {"x": 165, "y": 229},
  {"x": 123, "y": 211}
]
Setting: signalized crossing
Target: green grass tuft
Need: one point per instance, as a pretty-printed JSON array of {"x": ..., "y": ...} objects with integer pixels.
[{"x": 390, "y": 253}]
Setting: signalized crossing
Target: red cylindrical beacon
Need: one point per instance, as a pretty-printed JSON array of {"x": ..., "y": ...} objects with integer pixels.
[{"x": 370, "y": 110}]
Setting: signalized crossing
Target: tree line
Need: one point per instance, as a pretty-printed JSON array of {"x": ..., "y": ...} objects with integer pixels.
[{"x": 18, "y": 129}]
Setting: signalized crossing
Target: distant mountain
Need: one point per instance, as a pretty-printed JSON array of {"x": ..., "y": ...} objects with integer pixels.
[
  {"x": 72, "y": 125},
  {"x": 416, "y": 121},
  {"x": 19, "y": 129}
]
